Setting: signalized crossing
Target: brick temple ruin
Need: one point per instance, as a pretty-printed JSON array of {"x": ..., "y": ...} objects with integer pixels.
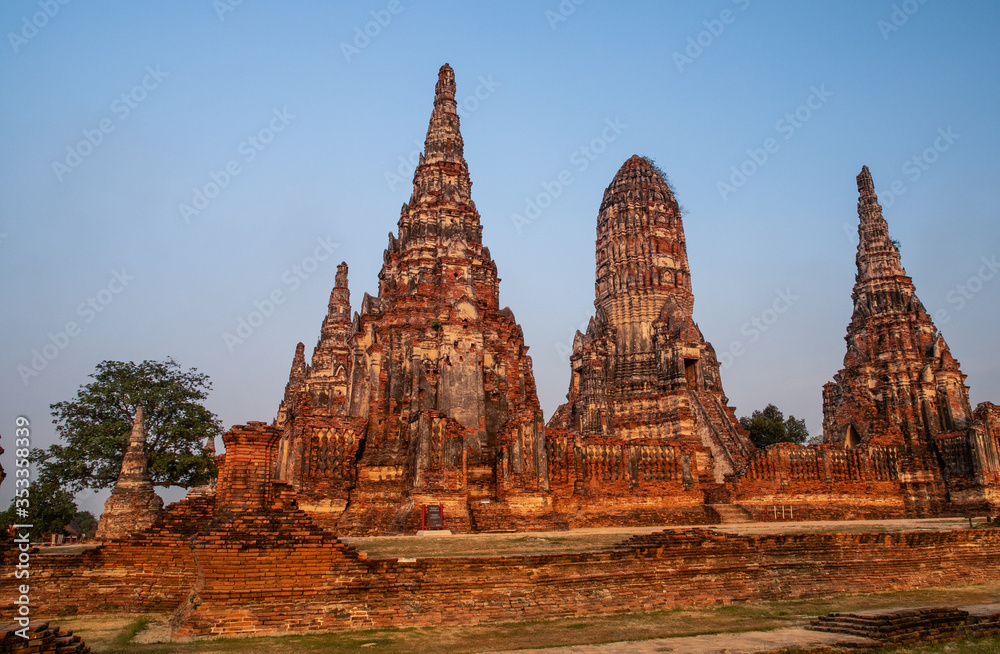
[
  {"x": 425, "y": 398},
  {"x": 133, "y": 506},
  {"x": 899, "y": 436},
  {"x": 646, "y": 436}
]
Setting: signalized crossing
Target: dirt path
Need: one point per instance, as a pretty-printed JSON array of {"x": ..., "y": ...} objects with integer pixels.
[
  {"x": 748, "y": 642},
  {"x": 600, "y": 538}
]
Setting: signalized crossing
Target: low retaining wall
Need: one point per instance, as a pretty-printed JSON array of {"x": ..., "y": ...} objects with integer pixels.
[{"x": 247, "y": 584}]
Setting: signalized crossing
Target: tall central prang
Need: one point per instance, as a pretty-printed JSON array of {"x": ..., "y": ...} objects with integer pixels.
[{"x": 426, "y": 397}]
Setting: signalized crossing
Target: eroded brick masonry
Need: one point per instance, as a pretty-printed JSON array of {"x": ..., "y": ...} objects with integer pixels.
[
  {"x": 425, "y": 397},
  {"x": 133, "y": 506},
  {"x": 646, "y": 434}
]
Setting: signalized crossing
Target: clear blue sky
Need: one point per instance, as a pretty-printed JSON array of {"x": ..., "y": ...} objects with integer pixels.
[{"x": 342, "y": 120}]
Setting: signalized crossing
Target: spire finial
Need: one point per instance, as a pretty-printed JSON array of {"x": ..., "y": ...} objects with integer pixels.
[
  {"x": 877, "y": 255},
  {"x": 298, "y": 364},
  {"x": 442, "y": 189},
  {"x": 138, "y": 435},
  {"x": 868, "y": 206},
  {"x": 341, "y": 281},
  {"x": 445, "y": 89},
  {"x": 444, "y": 139},
  {"x": 866, "y": 187},
  {"x": 864, "y": 177}
]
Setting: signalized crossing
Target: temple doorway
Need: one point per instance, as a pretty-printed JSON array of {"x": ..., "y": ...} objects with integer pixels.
[{"x": 691, "y": 373}]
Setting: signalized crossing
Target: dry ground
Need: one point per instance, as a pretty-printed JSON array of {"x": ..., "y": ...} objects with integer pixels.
[
  {"x": 132, "y": 633},
  {"x": 577, "y": 540}
]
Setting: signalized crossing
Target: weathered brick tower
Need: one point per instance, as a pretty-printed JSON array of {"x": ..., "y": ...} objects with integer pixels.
[
  {"x": 427, "y": 396},
  {"x": 133, "y": 506},
  {"x": 900, "y": 385},
  {"x": 646, "y": 418}
]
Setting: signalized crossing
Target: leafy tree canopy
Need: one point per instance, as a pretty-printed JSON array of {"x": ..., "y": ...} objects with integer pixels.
[
  {"x": 49, "y": 509},
  {"x": 95, "y": 427},
  {"x": 769, "y": 426}
]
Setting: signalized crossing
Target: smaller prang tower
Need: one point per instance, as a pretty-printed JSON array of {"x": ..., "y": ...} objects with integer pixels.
[
  {"x": 133, "y": 506},
  {"x": 900, "y": 385}
]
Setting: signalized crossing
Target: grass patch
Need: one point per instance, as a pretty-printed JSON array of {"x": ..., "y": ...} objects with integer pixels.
[
  {"x": 989, "y": 645},
  {"x": 129, "y": 632}
]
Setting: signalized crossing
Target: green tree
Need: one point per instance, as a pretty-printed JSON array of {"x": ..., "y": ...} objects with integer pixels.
[
  {"x": 95, "y": 427},
  {"x": 50, "y": 509},
  {"x": 769, "y": 426},
  {"x": 85, "y": 523}
]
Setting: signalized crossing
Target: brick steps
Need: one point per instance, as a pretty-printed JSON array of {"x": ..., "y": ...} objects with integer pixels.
[
  {"x": 729, "y": 513},
  {"x": 722, "y": 424},
  {"x": 927, "y": 624},
  {"x": 41, "y": 640}
]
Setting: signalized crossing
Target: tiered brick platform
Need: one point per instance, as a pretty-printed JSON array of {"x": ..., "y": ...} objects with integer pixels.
[
  {"x": 911, "y": 625},
  {"x": 41, "y": 640}
]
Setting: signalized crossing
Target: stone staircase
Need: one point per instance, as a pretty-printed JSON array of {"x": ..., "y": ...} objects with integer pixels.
[
  {"x": 910, "y": 625},
  {"x": 718, "y": 420},
  {"x": 42, "y": 639},
  {"x": 728, "y": 513}
]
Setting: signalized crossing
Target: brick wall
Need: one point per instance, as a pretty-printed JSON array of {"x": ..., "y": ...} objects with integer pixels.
[
  {"x": 662, "y": 570},
  {"x": 275, "y": 573}
]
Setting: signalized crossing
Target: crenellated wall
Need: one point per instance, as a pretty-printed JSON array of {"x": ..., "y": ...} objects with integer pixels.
[{"x": 821, "y": 482}]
